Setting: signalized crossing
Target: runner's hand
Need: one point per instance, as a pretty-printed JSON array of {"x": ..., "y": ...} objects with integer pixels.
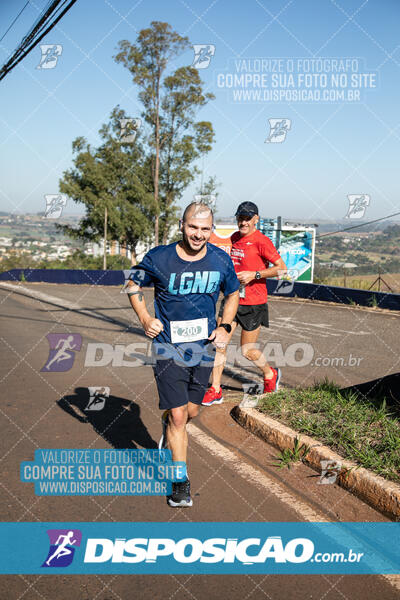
[
  {"x": 246, "y": 276},
  {"x": 152, "y": 327},
  {"x": 219, "y": 337}
]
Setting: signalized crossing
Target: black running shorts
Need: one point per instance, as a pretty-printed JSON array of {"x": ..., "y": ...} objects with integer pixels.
[
  {"x": 251, "y": 316},
  {"x": 177, "y": 385}
]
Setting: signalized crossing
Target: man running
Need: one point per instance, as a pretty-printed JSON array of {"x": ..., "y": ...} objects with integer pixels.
[
  {"x": 62, "y": 549},
  {"x": 251, "y": 254},
  {"x": 62, "y": 346},
  {"x": 187, "y": 276}
]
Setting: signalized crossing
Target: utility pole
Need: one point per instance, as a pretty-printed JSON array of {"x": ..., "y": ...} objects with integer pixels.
[{"x": 105, "y": 240}]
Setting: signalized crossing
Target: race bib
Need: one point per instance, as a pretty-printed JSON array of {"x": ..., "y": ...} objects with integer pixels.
[{"x": 189, "y": 331}]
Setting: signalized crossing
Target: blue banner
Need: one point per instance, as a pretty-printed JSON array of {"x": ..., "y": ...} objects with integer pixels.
[
  {"x": 201, "y": 548},
  {"x": 311, "y": 291},
  {"x": 109, "y": 472}
]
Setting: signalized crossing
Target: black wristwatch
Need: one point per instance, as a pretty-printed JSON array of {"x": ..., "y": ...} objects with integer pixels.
[
  {"x": 258, "y": 275},
  {"x": 226, "y": 326}
]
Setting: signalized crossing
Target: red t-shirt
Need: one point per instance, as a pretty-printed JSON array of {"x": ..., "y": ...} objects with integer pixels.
[{"x": 253, "y": 252}]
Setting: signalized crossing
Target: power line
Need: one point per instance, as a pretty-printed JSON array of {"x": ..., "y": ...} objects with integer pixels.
[
  {"x": 20, "y": 13},
  {"x": 36, "y": 34},
  {"x": 357, "y": 226}
]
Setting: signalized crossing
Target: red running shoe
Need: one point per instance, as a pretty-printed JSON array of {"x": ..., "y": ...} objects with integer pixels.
[
  {"x": 272, "y": 385},
  {"x": 212, "y": 397}
]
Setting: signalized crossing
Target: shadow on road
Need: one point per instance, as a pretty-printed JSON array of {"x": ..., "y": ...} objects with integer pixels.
[
  {"x": 378, "y": 390},
  {"x": 118, "y": 422}
]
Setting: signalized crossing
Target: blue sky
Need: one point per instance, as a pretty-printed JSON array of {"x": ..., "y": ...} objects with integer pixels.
[{"x": 332, "y": 148}]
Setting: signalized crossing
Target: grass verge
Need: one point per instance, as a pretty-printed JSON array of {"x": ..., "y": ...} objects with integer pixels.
[{"x": 364, "y": 431}]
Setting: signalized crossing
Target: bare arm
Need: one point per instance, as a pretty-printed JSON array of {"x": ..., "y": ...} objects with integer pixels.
[
  {"x": 220, "y": 337},
  {"x": 151, "y": 326},
  {"x": 277, "y": 269},
  {"x": 230, "y": 307},
  {"x": 246, "y": 276}
]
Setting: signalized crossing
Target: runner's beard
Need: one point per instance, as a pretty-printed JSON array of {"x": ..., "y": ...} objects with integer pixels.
[{"x": 187, "y": 243}]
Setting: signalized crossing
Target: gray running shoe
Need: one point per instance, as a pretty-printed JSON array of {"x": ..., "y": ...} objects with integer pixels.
[{"x": 180, "y": 496}]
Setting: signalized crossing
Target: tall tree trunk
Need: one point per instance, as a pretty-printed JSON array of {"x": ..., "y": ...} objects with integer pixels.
[
  {"x": 168, "y": 202},
  {"x": 105, "y": 240},
  {"x": 157, "y": 165},
  {"x": 156, "y": 230},
  {"x": 165, "y": 232}
]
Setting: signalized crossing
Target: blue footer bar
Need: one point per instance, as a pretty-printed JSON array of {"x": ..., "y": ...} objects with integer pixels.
[{"x": 208, "y": 548}]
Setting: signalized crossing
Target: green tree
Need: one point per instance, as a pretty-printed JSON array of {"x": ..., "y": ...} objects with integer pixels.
[
  {"x": 110, "y": 181},
  {"x": 170, "y": 103}
]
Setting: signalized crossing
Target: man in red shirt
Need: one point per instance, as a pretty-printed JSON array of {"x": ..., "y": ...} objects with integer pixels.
[{"x": 251, "y": 254}]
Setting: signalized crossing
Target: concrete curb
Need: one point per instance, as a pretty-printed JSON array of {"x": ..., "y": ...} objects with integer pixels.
[{"x": 375, "y": 490}]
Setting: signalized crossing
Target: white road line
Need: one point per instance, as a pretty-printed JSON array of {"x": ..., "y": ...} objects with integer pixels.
[
  {"x": 322, "y": 329},
  {"x": 40, "y": 295},
  {"x": 249, "y": 473},
  {"x": 66, "y": 304}
]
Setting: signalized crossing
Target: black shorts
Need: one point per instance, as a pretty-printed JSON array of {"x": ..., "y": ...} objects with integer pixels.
[
  {"x": 177, "y": 385},
  {"x": 251, "y": 316}
]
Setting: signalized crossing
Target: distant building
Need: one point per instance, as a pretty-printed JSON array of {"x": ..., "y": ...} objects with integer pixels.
[
  {"x": 115, "y": 248},
  {"x": 5, "y": 241}
]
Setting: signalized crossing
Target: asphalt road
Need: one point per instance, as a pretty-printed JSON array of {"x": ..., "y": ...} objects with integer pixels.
[{"x": 232, "y": 473}]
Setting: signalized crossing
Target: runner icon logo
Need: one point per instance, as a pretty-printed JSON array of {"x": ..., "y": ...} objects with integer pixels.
[
  {"x": 55, "y": 204},
  {"x": 129, "y": 129},
  {"x": 62, "y": 550},
  {"x": 50, "y": 55},
  {"x": 278, "y": 130},
  {"x": 358, "y": 204},
  {"x": 203, "y": 54},
  {"x": 98, "y": 397},
  {"x": 286, "y": 279},
  {"x": 330, "y": 469},
  {"x": 129, "y": 274},
  {"x": 209, "y": 199},
  {"x": 62, "y": 351},
  {"x": 250, "y": 393}
]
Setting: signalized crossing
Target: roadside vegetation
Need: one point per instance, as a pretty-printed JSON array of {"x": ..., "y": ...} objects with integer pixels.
[
  {"x": 77, "y": 260},
  {"x": 362, "y": 430}
]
